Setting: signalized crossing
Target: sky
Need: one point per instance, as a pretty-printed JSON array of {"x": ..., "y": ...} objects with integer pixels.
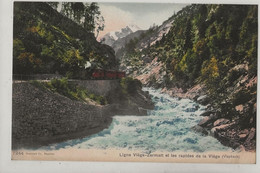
[{"x": 144, "y": 15}]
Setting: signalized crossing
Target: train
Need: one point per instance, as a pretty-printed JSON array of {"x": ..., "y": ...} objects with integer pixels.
[{"x": 107, "y": 74}]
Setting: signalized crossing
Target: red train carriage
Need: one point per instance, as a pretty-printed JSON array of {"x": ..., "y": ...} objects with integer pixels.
[
  {"x": 111, "y": 74},
  {"x": 120, "y": 74},
  {"x": 98, "y": 74},
  {"x": 103, "y": 74}
]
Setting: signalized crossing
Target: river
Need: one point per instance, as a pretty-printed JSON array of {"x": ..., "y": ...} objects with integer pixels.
[{"x": 166, "y": 128}]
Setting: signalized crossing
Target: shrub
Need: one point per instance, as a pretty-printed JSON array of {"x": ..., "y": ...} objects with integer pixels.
[
  {"x": 241, "y": 97},
  {"x": 61, "y": 86},
  {"x": 234, "y": 75},
  {"x": 130, "y": 85},
  {"x": 37, "y": 84},
  {"x": 99, "y": 99},
  {"x": 71, "y": 91},
  {"x": 167, "y": 80},
  {"x": 210, "y": 69}
]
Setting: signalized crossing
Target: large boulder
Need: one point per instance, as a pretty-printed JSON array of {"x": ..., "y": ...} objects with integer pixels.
[
  {"x": 221, "y": 121},
  {"x": 200, "y": 129},
  {"x": 207, "y": 120},
  {"x": 206, "y": 113},
  {"x": 204, "y": 100},
  {"x": 251, "y": 136},
  {"x": 221, "y": 128}
]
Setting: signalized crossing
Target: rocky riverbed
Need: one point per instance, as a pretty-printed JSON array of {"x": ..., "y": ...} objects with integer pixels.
[{"x": 228, "y": 131}]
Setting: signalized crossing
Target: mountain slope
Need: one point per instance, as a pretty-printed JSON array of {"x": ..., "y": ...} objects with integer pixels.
[
  {"x": 157, "y": 35},
  {"x": 46, "y": 42},
  {"x": 111, "y": 37},
  {"x": 121, "y": 42},
  {"x": 136, "y": 46}
]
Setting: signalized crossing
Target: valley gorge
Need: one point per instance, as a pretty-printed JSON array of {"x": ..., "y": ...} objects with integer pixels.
[{"x": 190, "y": 82}]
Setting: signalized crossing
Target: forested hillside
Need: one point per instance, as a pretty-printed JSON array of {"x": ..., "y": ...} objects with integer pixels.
[
  {"x": 208, "y": 40},
  {"x": 214, "y": 46},
  {"x": 48, "y": 41}
]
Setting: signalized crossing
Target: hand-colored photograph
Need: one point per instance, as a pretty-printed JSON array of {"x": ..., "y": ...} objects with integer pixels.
[{"x": 134, "y": 82}]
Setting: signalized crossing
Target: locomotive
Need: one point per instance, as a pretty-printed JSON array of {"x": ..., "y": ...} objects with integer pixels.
[{"x": 91, "y": 71}]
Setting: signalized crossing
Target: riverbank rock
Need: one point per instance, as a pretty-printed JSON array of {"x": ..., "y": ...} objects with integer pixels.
[
  {"x": 221, "y": 122},
  {"x": 243, "y": 134},
  {"x": 228, "y": 140},
  {"x": 206, "y": 121},
  {"x": 200, "y": 129},
  {"x": 229, "y": 134},
  {"x": 192, "y": 93},
  {"x": 134, "y": 103},
  {"x": 204, "y": 100},
  {"x": 223, "y": 127},
  {"x": 207, "y": 113},
  {"x": 152, "y": 74},
  {"x": 250, "y": 138}
]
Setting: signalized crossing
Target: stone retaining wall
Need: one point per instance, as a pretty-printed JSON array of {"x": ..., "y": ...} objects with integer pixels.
[{"x": 98, "y": 87}]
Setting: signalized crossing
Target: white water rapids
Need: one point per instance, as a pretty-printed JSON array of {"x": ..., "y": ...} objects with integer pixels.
[{"x": 166, "y": 128}]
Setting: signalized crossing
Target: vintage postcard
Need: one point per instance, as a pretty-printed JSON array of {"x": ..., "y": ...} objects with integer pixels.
[{"x": 134, "y": 82}]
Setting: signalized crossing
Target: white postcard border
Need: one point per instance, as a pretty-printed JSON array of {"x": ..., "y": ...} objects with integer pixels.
[{"x": 7, "y": 165}]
